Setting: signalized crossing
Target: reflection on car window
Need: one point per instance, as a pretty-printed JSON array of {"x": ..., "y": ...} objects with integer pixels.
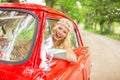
[{"x": 16, "y": 33}]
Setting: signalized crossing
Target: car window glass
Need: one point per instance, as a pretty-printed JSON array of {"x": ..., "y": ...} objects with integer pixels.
[{"x": 16, "y": 34}]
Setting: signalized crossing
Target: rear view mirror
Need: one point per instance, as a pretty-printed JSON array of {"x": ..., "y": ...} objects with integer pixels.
[{"x": 57, "y": 53}]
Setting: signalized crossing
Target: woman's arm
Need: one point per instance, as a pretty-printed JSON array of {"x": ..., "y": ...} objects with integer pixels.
[{"x": 71, "y": 57}]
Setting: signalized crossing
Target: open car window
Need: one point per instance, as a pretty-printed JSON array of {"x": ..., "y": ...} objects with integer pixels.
[
  {"x": 50, "y": 23},
  {"x": 16, "y": 33}
]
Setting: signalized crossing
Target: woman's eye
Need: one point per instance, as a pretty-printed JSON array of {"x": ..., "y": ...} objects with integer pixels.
[
  {"x": 65, "y": 32},
  {"x": 59, "y": 28}
]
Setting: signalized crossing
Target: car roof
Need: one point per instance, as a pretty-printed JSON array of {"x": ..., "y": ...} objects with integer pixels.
[{"x": 31, "y": 6}]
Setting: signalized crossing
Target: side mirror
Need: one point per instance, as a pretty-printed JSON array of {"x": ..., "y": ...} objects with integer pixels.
[{"x": 57, "y": 53}]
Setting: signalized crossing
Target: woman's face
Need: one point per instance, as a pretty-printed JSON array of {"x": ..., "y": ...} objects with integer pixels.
[{"x": 61, "y": 33}]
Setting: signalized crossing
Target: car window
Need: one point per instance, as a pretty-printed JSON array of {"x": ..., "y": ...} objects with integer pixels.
[
  {"x": 74, "y": 39},
  {"x": 16, "y": 34},
  {"x": 47, "y": 41},
  {"x": 50, "y": 23}
]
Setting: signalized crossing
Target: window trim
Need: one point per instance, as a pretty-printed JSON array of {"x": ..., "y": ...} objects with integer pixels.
[{"x": 34, "y": 35}]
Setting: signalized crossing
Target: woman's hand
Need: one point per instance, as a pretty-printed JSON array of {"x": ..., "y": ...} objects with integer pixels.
[{"x": 71, "y": 57}]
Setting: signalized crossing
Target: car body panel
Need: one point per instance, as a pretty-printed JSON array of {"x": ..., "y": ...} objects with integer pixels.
[{"x": 61, "y": 69}]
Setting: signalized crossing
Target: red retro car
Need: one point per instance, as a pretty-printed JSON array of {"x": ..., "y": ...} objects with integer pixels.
[{"x": 26, "y": 45}]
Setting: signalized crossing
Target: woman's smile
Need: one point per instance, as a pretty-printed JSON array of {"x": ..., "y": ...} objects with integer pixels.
[{"x": 60, "y": 33}]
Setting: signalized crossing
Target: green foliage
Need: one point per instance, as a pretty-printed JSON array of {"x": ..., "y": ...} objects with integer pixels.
[
  {"x": 98, "y": 12},
  {"x": 1, "y": 31},
  {"x": 26, "y": 35},
  {"x": 111, "y": 35},
  {"x": 9, "y": 0},
  {"x": 70, "y": 8}
]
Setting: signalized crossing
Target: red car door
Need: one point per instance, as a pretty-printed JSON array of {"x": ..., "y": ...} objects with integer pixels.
[
  {"x": 65, "y": 70},
  {"x": 19, "y": 26}
]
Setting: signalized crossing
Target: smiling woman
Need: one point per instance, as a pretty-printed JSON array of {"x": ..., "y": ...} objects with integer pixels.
[
  {"x": 60, "y": 31},
  {"x": 61, "y": 37}
]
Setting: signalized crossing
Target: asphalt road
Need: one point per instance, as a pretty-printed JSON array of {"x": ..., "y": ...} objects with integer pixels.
[{"x": 105, "y": 56}]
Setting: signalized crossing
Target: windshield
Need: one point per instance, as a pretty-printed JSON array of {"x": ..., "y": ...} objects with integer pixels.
[{"x": 16, "y": 34}]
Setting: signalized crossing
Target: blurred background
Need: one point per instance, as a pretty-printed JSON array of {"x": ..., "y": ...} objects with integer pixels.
[
  {"x": 99, "y": 24},
  {"x": 100, "y": 16}
]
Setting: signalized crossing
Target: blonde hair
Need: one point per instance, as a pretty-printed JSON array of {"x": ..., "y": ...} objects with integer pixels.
[{"x": 66, "y": 42}]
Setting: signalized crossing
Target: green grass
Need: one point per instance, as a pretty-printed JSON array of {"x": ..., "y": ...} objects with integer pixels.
[{"x": 113, "y": 36}]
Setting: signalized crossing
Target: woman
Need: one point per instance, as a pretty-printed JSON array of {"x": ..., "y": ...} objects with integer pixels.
[{"x": 61, "y": 38}]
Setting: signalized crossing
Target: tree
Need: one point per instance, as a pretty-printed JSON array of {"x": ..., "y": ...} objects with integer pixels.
[
  {"x": 50, "y": 3},
  {"x": 102, "y": 12},
  {"x": 9, "y": 1},
  {"x": 12, "y": 0},
  {"x": 70, "y": 8}
]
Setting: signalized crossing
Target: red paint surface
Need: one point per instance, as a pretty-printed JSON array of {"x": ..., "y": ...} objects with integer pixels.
[{"x": 29, "y": 69}]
